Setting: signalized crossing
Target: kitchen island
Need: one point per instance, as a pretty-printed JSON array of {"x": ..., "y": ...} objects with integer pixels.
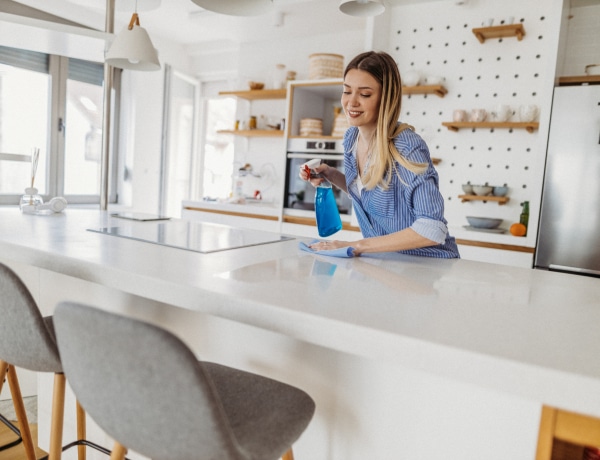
[{"x": 406, "y": 357}]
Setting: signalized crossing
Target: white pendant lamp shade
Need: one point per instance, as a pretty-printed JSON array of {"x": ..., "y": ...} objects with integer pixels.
[
  {"x": 132, "y": 49},
  {"x": 362, "y": 8},
  {"x": 236, "y": 7}
]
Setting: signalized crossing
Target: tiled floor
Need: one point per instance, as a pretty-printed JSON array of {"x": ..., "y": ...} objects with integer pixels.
[{"x": 7, "y": 409}]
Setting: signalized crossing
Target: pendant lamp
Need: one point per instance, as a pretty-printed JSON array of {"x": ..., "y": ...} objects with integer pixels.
[
  {"x": 133, "y": 49},
  {"x": 362, "y": 8},
  {"x": 236, "y": 7}
]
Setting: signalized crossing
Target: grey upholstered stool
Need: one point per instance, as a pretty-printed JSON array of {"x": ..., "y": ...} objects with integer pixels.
[
  {"x": 27, "y": 340},
  {"x": 149, "y": 392}
]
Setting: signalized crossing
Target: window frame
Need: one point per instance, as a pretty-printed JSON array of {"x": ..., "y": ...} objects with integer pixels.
[{"x": 58, "y": 71}]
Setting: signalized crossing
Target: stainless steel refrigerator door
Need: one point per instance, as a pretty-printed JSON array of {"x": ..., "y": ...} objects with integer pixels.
[{"x": 569, "y": 231}]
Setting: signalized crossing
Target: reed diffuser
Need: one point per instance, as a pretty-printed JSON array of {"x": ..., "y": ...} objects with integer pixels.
[
  {"x": 35, "y": 157},
  {"x": 31, "y": 199}
]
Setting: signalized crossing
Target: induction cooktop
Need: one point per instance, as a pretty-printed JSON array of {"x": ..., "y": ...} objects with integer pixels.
[{"x": 192, "y": 236}]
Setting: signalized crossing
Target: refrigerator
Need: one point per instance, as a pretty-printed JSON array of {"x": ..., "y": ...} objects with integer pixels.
[{"x": 569, "y": 229}]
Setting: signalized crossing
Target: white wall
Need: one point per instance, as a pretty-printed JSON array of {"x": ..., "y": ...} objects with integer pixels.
[{"x": 583, "y": 40}]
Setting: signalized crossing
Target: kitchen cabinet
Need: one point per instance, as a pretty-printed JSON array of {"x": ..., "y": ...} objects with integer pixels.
[
  {"x": 313, "y": 99},
  {"x": 253, "y": 216},
  {"x": 564, "y": 435},
  {"x": 501, "y": 31}
]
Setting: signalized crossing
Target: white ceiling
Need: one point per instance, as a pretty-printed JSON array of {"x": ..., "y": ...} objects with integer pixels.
[{"x": 184, "y": 22}]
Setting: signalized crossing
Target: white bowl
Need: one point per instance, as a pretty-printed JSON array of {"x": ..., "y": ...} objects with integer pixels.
[
  {"x": 592, "y": 69},
  {"x": 482, "y": 189}
]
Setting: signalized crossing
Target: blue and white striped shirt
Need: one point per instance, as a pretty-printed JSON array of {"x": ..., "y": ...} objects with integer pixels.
[{"x": 415, "y": 201}]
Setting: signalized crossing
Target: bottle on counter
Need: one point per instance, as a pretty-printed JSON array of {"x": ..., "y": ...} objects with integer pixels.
[{"x": 524, "y": 218}]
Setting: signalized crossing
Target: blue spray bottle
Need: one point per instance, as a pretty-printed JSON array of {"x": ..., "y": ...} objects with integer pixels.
[{"x": 326, "y": 210}]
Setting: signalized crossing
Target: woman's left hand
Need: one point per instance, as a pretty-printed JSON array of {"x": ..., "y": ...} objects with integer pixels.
[{"x": 329, "y": 245}]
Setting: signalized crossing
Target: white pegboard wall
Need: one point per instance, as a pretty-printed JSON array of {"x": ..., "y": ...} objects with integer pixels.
[{"x": 499, "y": 71}]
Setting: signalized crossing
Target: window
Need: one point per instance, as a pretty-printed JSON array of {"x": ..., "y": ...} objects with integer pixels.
[
  {"x": 55, "y": 104},
  {"x": 218, "y": 149}
]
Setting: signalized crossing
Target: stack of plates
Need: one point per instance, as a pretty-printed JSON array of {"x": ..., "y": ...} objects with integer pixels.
[
  {"x": 340, "y": 125},
  {"x": 311, "y": 127}
]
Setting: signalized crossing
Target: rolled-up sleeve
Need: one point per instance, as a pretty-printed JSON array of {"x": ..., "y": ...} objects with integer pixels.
[{"x": 431, "y": 229}]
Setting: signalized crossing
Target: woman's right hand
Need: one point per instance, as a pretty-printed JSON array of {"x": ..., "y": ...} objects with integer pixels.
[{"x": 307, "y": 174}]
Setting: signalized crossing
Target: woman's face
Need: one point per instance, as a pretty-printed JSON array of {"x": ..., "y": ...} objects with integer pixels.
[{"x": 361, "y": 98}]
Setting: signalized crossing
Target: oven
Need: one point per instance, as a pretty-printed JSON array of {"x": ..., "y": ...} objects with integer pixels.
[{"x": 300, "y": 195}]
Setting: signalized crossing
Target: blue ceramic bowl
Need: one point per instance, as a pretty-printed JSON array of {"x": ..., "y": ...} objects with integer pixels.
[
  {"x": 483, "y": 222},
  {"x": 500, "y": 191}
]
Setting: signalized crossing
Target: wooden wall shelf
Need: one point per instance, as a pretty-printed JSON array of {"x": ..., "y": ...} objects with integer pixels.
[
  {"x": 253, "y": 132},
  {"x": 331, "y": 138},
  {"x": 579, "y": 80},
  {"x": 456, "y": 125},
  {"x": 257, "y": 94},
  {"x": 499, "y": 199},
  {"x": 505, "y": 30},
  {"x": 438, "y": 90}
]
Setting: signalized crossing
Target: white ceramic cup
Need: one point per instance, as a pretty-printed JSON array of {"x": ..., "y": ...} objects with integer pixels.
[
  {"x": 434, "y": 80},
  {"x": 459, "y": 115},
  {"x": 501, "y": 113},
  {"x": 528, "y": 113},
  {"x": 478, "y": 115},
  {"x": 411, "y": 78}
]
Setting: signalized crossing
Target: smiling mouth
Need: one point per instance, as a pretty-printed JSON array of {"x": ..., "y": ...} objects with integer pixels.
[{"x": 353, "y": 114}]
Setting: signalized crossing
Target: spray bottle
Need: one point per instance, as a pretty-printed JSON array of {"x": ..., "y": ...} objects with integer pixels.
[{"x": 326, "y": 210}]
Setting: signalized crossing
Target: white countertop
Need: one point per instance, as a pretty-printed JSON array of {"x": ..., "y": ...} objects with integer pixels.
[{"x": 526, "y": 332}]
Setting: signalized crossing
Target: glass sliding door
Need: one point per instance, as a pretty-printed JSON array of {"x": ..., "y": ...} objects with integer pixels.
[
  {"x": 179, "y": 141},
  {"x": 83, "y": 129}
]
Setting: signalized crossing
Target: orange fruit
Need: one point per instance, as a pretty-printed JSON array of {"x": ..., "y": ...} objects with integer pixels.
[{"x": 518, "y": 229}]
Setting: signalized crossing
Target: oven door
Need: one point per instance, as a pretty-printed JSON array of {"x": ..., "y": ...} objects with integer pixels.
[{"x": 300, "y": 195}]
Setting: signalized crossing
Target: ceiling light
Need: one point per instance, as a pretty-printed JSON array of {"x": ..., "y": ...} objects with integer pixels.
[
  {"x": 362, "y": 7},
  {"x": 133, "y": 49},
  {"x": 236, "y": 7}
]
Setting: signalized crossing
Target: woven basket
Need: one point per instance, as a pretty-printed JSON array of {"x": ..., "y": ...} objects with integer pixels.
[
  {"x": 311, "y": 127},
  {"x": 322, "y": 65}
]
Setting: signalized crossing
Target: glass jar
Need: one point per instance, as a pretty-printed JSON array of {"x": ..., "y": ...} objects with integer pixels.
[{"x": 30, "y": 198}]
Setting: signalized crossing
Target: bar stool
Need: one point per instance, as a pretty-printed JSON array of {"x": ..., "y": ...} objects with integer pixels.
[
  {"x": 27, "y": 340},
  {"x": 148, "y": 391}
]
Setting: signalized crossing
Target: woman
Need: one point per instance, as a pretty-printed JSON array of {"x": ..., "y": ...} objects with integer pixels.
[{"x": 388, "y": 170}]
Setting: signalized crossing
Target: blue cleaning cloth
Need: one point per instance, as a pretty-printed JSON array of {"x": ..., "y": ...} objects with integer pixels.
[{"x": 341, "y": 252}]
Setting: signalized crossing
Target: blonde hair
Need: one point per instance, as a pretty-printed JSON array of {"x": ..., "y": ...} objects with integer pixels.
[{"x": 384, "y": 155}]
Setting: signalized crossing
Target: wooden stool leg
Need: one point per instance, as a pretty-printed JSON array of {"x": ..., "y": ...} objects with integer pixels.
[
  {"x": 3, "y": 371},
  {"x": 289, "y": 455},
  {"x": 58, "y": 416},
  {"x": 17, "y": 397},
  {"x": 81, "y": 428},
  {"x": 118, "y": 452}
]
